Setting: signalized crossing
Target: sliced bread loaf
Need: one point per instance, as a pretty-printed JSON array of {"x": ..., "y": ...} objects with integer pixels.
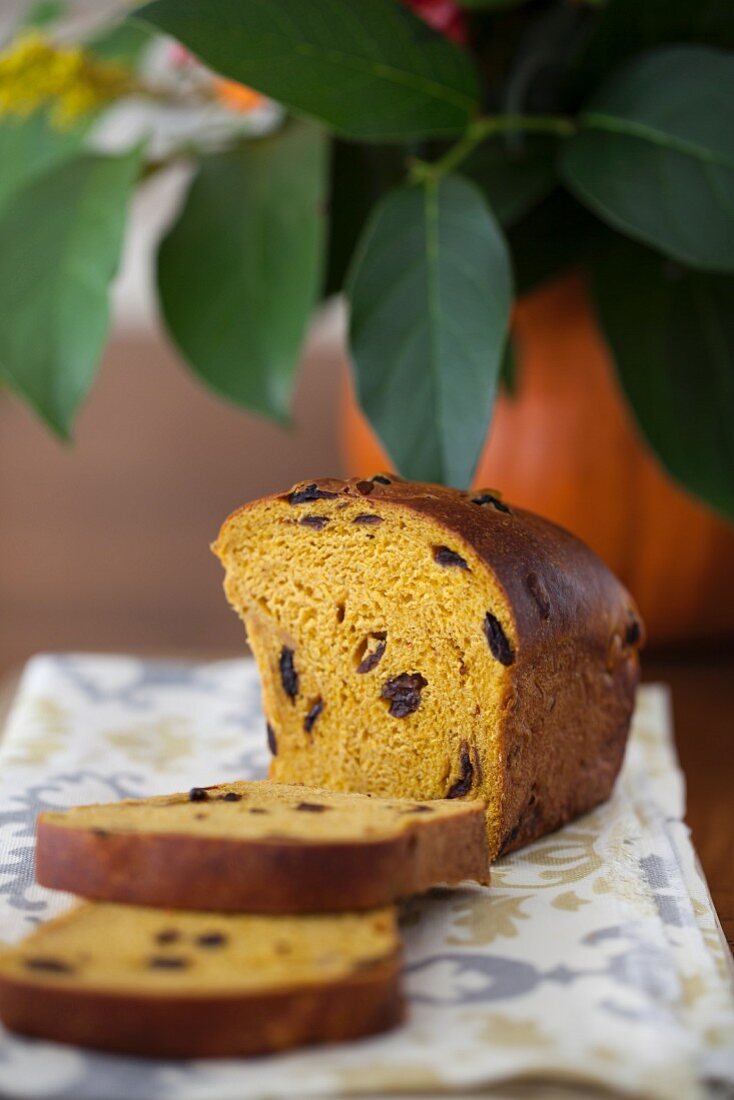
[
  {"x": 420, "y": 641},
  {"x": 261, "y": 847},
  {"x": 195, "y": 985}
]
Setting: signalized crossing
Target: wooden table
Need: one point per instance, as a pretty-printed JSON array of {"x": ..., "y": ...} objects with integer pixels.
[{"x": 703, "y": 711}]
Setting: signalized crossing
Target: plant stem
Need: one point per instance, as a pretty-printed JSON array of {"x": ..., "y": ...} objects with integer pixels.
[{"x": 483, "y": 128}]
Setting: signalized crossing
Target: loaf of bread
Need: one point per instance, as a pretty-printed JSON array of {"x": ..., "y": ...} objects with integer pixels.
[
  {"x": 423, "y": 642},
  {"x": 261, "y": 847},
  {"x": 197, "y": 985}
]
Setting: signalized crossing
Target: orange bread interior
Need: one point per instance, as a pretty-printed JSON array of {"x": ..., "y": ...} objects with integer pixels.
[
  {"x": 121, "y": 948},
  {"x": 382, "y": 641}
]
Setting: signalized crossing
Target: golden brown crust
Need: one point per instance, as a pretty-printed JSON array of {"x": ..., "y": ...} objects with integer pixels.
[
  {"x": 185, "y": 1026},
  {"x": 575, "y": 668},
  {"x": 574, "y": 676},
  {"x": 182, "y": 871}
]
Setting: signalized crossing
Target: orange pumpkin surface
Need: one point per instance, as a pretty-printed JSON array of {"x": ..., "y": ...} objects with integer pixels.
[{"x": 566, "y": 446}]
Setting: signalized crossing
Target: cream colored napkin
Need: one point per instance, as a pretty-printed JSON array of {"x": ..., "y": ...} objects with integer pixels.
[{"x": 594, "y": 959}]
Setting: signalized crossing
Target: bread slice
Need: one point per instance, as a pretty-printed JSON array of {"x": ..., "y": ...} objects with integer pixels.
[
  {"x": 423, "y": 642},
  {"x": 198, "y": 985},
  {"x": 262, "y": 847}
]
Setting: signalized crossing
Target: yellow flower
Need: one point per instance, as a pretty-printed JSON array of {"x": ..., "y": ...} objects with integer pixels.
[{"x": 36, "y": 72}]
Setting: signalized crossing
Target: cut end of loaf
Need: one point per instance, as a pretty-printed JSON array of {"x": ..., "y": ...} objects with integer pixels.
[{"x": 384, "y": 642}]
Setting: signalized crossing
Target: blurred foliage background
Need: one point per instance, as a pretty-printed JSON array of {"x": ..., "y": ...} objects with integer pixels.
[{"x": 528, "y": 204}]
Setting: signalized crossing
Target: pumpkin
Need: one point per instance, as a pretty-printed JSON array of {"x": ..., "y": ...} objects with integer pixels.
[{"x": 566, "y": 446}]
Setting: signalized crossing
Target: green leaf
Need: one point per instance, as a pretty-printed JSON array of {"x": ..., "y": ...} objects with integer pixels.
[
  {"x": 672, "y": 336},
  {"x": 655, "y": 154},
  {"x": 372, "y": 71},
  {"x": 43, "y": 13},
  {"x": 626, "y": 27},
  {"x": 430, "y": 294},
  {"x": 239, "y": 273},
  {"x": 29, "y": 147},
  {"x": 123, "y": 42},
  {"x": 60, "y": 243},
  {"x": 513, "y": 176}
]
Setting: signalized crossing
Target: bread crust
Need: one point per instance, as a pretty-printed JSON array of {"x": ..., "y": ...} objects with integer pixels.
[
  {"x": 570, "y": 689},
  {"x": 188, "y": 1026},
  {"x": 181, "y": 871},
  {"x": 572, "y": 685}
]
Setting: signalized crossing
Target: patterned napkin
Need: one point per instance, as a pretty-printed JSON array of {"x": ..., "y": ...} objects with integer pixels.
[{"x": 594, "y": 959}]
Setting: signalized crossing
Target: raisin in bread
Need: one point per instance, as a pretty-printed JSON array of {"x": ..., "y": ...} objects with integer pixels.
[
  {"x": 194, "y": 985},
  {"x": 423, "y": 642},
  {"x": 261, "y": 847}
]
